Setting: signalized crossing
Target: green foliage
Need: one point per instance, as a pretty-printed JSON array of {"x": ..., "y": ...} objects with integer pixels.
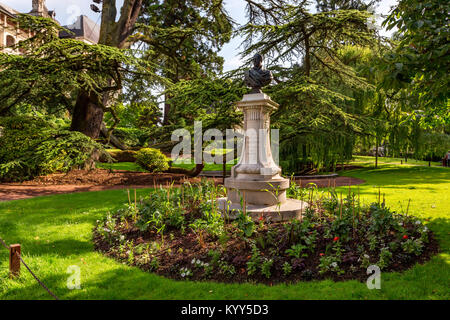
[
  {"x": 287, "y": 268},
  {"x": 152, "y": 160},
  {"x": 254, "y": 262},
  {"x": 424, "y": 281},
  {"x": 245, "y": 224},
  {"x": 50, "y": 71},
  {"x": 296, "y": 251},
  {"x": 131, "y": 137},
  {"x": 319, "y": 96},
  {"x": 385, "y": 258},
  {"x": 32, "y": 146},
  {"x": 414, "y": 246},
  {"x": 266, "y": 267},
  {"x": 421, "y": 60}
]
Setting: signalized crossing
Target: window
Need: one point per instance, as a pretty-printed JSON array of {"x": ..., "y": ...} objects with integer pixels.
[{"x": 10, "y": 41}]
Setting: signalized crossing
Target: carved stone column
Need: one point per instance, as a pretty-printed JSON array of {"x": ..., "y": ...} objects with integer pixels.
[{"x": 256, "y": 178}]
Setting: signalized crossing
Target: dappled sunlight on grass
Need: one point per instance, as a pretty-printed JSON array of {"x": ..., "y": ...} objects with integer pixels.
[{"x": 56, "y": 232}]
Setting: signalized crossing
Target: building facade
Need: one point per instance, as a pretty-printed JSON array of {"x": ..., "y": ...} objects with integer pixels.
[
  {"x": 83, "y": 29},
  {"x": 10, "y": 33}
]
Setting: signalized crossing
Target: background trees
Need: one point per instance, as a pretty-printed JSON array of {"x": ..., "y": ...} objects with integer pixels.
[
  {"x": 420, "y": 60},
  {"x": 342, "y": 88}
]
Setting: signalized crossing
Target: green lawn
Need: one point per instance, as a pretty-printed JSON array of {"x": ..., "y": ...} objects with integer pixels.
[
  {"x": 131, "y": 166},
  {"x": 127, "y": 166},
  {"x": 398, "y": 161},
  {"x": 55, "y": 232}
]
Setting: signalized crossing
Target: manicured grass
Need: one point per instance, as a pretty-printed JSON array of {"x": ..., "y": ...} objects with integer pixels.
[
  {"x": 55, "y": 232},
  {"x": 127, "y": 166},
  {"x": 131, "y": 166},
  {"x": 208, "y": 166},
  {"x": 371, "y": 161}
]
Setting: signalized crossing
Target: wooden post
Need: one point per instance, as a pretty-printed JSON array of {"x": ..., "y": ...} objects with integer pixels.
[
  {"x": 224, "y": 166},
  {"x": 14, "y": 261}
]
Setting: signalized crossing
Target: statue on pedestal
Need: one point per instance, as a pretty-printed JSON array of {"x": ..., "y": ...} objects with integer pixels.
[{"x": 256, "y": 179}]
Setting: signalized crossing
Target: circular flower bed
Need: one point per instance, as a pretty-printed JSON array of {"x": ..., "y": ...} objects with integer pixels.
[{"x": 179, "y": 233}]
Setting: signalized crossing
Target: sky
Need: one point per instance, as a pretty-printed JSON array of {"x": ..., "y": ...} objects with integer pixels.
[{"x": 68, "y": 10}]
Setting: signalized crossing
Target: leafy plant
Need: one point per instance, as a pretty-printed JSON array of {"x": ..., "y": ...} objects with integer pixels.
[
  {"x": 254, "y": 262},
  {"x": 414, "y": 246},
  {"x": 32, "y": 147},
  {"x": 245, "y": 224},
  {"x": 287, "y": 268},
  {"x": 152, "y": 160},
  {"x": 296, "y": 251},
  {"x": 266, "y": 267},
  {"x": 385, "y": 258}
]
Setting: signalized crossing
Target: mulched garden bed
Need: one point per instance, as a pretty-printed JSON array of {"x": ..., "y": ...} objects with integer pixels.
[
  {"x": 107, "y": 177},
  {"x": 334, "y": 241},
  {"x": 236, "y": 252}
]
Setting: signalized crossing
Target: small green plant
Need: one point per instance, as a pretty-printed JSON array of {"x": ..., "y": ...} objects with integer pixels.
[
  {"x": 254, "y": 262},
  {"x": 185, "y": 272},
  {"x": 245, "y": 224},
  {"x": 130, "y": 252},
  {"x": 215, "y": 256},
  {"x": 365, "y": 261},
  {"x": 266, "y": 267},
  {"x": 329, "y": 263},
  {"x": 413, "y": 246},
  {"x": 199, "y": 227},
  {"x": 226, "y": 268},
  {"x": 385, "y": 258},
  {"x": 154, "y": 264},
  {"x": 296, "y": 251},
  {"x": 287, "y": 268}
]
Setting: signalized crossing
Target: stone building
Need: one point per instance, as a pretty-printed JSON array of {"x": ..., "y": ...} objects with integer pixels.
[
  {"x": 10, "y": 33},
  {"x": 83, "y": 28}
]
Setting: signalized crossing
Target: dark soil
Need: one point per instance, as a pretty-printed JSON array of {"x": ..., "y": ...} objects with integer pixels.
[
  {"x": 180, "y": 249},
  {"x": 107, "y": 177}
]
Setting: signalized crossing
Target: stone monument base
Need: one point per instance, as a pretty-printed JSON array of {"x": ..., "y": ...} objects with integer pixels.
[{"x": 288, "y": 210}]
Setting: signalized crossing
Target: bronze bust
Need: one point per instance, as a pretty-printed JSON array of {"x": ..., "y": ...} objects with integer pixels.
[{"x": 257, "y": 77}]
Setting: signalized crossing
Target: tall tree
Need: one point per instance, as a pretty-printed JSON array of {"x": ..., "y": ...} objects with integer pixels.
[
  {"x": 313, "y": 83},
  {"x": 50, "y": 70},
  {"x": 90, "y": 107},
  {"x": 183, "y": 38}
]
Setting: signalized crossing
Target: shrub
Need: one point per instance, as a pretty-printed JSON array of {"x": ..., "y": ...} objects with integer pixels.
[
  {"x": 32, "y": 147},
  {"x": 152, "y": 160}
]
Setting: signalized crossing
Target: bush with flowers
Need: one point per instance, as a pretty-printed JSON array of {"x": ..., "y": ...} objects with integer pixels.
[{"x": 179, "y": 233}]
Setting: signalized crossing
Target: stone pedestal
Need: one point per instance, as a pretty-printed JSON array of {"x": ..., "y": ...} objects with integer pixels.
[{"x": 256, "y": 178}]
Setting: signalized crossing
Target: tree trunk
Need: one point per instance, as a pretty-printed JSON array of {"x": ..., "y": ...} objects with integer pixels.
[
  {"x": 112, "y": 138},
  {"x": 307, "y": 56},
  {"x": 166, "y": 113},
  {"x": 87, "y": 116},
  {"x": 376, "y": 152}
]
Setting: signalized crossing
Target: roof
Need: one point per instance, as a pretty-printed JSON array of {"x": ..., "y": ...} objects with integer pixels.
[
  {"x": 8, "y": 10},
  {"x": 83, "y": 27}
]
